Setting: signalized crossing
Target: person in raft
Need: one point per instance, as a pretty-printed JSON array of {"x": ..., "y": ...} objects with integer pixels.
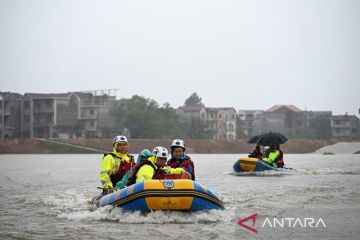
[
  {"x": 143, "y": 156},
  {"x": 256, "y": 153},
  {"x": 115, "y": 164},
  {"x": 271, "y": 155},
  {"x": 180, "y": 159},
  {"x": 154, "y": 167}
]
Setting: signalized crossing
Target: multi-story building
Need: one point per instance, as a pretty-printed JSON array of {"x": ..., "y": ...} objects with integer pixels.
[
  {"x": 266, "y": 124},
  {"x": 222, "y": 122},
  {"x": 64, "y": 115},
  {"x": 246, "y": 120},
  {"x": 10, "y": 111},
  {"x": 310, "y": 115},
  {"x": 187, "y": 113},
  {"x": 48, "y": 115},
  {"x": 94, "y": 113},
  {"x": 293, "y": 119},
  {"x": 345, "y": 127}
]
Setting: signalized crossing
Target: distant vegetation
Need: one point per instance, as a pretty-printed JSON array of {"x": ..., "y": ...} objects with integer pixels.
[{"x": 144, "y": 118}]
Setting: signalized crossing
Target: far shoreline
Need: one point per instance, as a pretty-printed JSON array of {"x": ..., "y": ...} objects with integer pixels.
[{"x": 197, "y": 146}]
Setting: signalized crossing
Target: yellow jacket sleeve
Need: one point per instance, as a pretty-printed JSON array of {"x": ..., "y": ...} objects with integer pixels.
[
  {"x": 146, "y": 172},
  {"x": 170, "y": 170},
  {"x": 106, "y": 169},
  {"x": 272, "y": 157}
]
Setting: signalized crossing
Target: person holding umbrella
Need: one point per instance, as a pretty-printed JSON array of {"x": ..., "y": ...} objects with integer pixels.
[{"x": 272, "y": 157}]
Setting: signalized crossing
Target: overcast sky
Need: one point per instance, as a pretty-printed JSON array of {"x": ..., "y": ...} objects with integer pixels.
[{"x": 246, "y": 54}]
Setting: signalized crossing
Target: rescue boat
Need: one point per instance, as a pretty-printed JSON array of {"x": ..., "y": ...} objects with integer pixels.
[
  {"x": 163, "y": 194},
  {"x": 248, "y": 164}
]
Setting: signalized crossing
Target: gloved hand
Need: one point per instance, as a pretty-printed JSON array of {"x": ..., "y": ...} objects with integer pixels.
[
  {"x": 185, "y": 175},
  {"x": 109, "y": 190}
]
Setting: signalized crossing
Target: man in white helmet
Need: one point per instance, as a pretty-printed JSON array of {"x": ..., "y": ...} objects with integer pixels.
[
  {"x": 154, "y": 168},
  {"x": 116, "y": 164},
  {"x": 180, "y": 159}
]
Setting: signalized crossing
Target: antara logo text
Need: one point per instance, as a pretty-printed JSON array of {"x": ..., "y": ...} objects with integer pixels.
[{"x": 288, "y": 222}]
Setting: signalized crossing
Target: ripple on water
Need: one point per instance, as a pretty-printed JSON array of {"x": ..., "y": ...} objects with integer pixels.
[{"x": 329, "y": 171}]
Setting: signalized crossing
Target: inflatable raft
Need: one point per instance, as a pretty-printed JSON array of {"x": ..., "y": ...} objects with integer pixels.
[
  {"x": 168, "y": 194},
  {"x": 247, "y": 164}
]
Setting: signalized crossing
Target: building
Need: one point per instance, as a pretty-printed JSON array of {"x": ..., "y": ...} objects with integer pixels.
[
  {"x": 266, "y": 124},
  {"x": 66, "y": 115},
  {"x": 10, "y": 115},
  {"x": 345, "y": 127},
  {"x": 293, "y": 118},
  {"x": 279, "y": 118},
  {"x": 311, "y": 115},
  {"x": 94, "y": 113},
  {"x": 246, "y": 120},
  {"x": 50, "y": 115},
  {"x": 222, "y": 122},
  {"x": 187, "y": 113}
]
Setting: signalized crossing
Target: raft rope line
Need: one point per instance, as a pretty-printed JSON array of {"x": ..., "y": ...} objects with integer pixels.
[
  {"x": 256, "y": 163},
  {"x": 174, "y": 193}
]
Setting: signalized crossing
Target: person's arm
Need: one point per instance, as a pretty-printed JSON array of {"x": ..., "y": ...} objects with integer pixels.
[
  {"x": 266, "y": 159},
  {"x": 107, "y": 166},
  {"x": 187, "y": 166},
  {"x": 146, "y": 172},
  {"x": 273, "y": 156},
  {"x": 170, "y": 170}
]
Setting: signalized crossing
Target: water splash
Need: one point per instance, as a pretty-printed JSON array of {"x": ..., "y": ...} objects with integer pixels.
[{"x": 73, "y": 206}]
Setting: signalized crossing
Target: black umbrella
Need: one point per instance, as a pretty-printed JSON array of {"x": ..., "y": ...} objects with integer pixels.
[
  {"x": 271, "y": 139},
  {"x": 254, "y": 139}
]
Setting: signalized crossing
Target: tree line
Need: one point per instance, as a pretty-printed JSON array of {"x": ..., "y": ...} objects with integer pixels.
[{"x": 145, "y": 118}]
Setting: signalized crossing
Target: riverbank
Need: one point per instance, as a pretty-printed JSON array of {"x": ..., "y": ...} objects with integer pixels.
[{"x": 206, "y": 146}]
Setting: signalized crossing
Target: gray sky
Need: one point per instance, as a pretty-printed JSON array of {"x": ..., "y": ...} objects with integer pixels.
[{"x": 248, "y": 54}]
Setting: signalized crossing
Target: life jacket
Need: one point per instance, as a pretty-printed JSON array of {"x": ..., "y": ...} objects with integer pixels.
[
  {"x": 280, "y": 160},
  {"x": 132, "y": 178},
  {"x": 174, "y": 163},
  {"x": 255, "y": 154},
  {"x": 125, "y": 166},
  {"x": 159, "y": 174}
]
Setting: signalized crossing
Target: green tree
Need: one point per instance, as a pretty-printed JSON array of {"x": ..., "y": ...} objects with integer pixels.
[
  {"x": 145, "y": 119},
  {"x": 168, "y": 125},
  {"x": 197, "y": 128},
  {"x": 136, "y": 114},
  {"x": 193, "y": 100}
]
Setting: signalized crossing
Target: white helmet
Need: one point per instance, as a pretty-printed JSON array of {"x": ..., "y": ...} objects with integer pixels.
[
  {"x": 120, "y": 138},
  {"x": 266, "y": 148},
  {"x": 160, "y": 152},
  {"x": 178, "y": 143}
]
